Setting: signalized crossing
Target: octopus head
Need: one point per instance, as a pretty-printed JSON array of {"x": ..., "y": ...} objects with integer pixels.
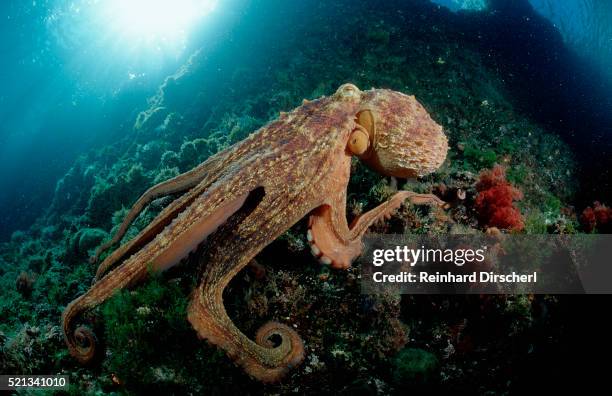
[{"x": 394, "y": 134}]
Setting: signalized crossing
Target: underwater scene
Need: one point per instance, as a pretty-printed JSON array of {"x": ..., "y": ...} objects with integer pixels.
[{"x": 190, "y": 187}]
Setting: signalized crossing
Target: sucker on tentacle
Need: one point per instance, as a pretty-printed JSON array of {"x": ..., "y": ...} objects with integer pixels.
[
  {"x": 254, "y": 191},
  {"x": 335, "y": 244}
]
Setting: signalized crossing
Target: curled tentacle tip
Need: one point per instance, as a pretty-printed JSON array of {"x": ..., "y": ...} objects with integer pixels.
[
  {"x": 82, "y": 345},
  {"x": 289, "y": 352}
]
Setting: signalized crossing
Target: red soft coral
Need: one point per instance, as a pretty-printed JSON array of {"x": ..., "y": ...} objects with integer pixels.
[
  {"x": 599, "y": 216},
  {"x": 495, "y": 201}
]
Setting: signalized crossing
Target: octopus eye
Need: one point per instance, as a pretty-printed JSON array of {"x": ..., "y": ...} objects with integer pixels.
[
  {"x": 359, "y": 141},
  {"x": 348, "y": 92},
  {"x": 365, "y": 118}
]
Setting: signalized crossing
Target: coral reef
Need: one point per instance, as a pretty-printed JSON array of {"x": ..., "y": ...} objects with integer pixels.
[
  {"x": 598, "y": 217},
  {"x": 495, "y": 201}
]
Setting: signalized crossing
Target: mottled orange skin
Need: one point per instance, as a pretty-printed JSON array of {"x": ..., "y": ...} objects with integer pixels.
[{"x": 243, "y": 198}]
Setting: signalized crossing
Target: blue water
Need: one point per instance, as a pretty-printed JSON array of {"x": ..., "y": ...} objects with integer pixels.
[
  {"x": 585, "y": 25},
  {"x": 71, "y": 83}
]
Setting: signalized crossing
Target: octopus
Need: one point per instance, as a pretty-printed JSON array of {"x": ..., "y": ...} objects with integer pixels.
[{"x": 244, "y": 197}]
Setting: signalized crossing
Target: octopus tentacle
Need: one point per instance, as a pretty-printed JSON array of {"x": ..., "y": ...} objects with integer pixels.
[
  {"x": 260, "y": 359},
  {"x": 191, "y": 227},
  {"x": 360, "y": 225},
  {"x": 180, "y": 183},
  {"x": 329, "y": 237},
  {"x": 336, "y": 243},
  {"x": 224, "y": 259},
  {"x": 81, "y": 341},
  {"x": 211, "y": 170},
  {"x": 146, "y": 235}
]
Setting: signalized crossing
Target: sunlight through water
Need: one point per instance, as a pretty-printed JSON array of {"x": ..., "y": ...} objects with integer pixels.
[{"x": 154, "y": 22}]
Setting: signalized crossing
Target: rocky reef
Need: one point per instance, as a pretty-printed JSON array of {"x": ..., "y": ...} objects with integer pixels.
[{"x": 354, "y": 342}]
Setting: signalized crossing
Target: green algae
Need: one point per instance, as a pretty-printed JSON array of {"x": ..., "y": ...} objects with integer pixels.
[
  {"x": 477, "y": 159},
  {"x": 414, "y": 367}
]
